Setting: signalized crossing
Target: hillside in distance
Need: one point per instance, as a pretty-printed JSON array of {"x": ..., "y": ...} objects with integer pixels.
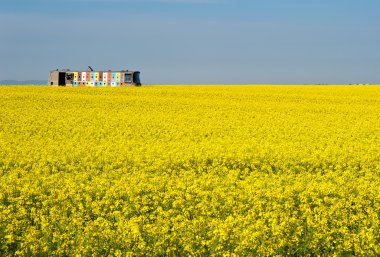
[{"x": 23, "y": 82}]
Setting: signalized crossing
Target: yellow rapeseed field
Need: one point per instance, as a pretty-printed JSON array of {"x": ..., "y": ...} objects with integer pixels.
[{"x": 190, "y": 171}]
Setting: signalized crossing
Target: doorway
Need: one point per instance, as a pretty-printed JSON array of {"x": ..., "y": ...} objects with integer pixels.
[{"x": 61, "y": 79}]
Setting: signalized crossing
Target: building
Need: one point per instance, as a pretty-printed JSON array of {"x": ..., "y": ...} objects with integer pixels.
[{"x": 94, "y": 78}]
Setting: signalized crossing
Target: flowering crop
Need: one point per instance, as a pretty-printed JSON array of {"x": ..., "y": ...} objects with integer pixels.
[{"x": 190, "y": 170}]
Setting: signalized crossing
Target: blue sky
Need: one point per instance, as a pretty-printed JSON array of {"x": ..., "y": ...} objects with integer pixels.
[{"x": 195, "y": 41}]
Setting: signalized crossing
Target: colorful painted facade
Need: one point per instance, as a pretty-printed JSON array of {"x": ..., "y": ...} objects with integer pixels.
[{"x": 94, "y": 78}]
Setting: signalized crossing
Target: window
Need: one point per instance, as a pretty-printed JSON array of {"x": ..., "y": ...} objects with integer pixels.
[
  {"x": 69, "y": 76},
  {"x": 128, "y": 78}
]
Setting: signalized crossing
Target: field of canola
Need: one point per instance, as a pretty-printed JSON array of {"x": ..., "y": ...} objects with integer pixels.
[{"x": 190, "y": 170}]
